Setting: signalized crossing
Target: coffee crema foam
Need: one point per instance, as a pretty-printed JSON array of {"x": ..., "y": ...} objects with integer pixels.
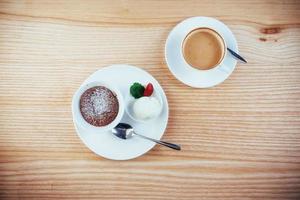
[{"x": 203, "y": 48}]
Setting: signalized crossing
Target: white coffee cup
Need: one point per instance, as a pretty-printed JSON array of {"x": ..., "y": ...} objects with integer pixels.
[
  {"x": 78, "y": 118},
  {"x": 188, "y": 74},
  {"x": 223, "y": 48}
]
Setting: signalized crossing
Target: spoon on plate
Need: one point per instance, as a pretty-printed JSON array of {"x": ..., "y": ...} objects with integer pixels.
[
  {"x": 125, "y": 131},
  {"x": 237, "y": 56}
]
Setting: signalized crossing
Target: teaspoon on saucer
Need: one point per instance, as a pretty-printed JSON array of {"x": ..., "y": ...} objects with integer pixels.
[
  {"x": 125, "y": 131},
  {"x": 237, "y": 56}
]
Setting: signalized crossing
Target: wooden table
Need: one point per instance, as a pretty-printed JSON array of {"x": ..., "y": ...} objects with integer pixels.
[{"x": 240, "y": 139}]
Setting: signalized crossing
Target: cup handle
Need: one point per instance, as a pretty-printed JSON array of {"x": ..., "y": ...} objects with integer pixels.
[{"x": 225, "y": 69}]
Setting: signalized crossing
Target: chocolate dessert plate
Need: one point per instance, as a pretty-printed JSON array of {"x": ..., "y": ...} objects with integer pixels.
[{"x": 106, "y": 144}]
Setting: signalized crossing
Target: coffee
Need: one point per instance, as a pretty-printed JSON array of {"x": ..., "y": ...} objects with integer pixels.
[
  {"x": 203, "y": 48},
  {"x": 99, "y": 106}
]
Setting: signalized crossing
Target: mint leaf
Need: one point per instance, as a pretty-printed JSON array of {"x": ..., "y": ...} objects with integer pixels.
[{"x": 137, "y": 90}]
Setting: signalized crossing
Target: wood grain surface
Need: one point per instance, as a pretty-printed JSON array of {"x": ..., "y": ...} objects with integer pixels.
[{"x": 240, "y": 139}]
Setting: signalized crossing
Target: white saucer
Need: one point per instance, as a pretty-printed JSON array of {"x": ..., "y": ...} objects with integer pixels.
[
  {"x": 105, "y": 143},
  {"x": 182, "y": 70}
]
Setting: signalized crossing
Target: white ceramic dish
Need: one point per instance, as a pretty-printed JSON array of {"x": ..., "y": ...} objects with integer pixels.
[
  {"x": 79, "y": 120},
  {"x": 129, "y": 106},
  {"x": 104, "y": 143},
  {"x": 186, "y": 73}
]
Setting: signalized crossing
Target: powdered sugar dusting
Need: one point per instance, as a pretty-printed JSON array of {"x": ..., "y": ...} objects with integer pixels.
[{"x": 99, "y": 106}]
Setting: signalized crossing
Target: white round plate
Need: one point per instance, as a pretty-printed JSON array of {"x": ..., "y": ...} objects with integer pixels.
[
  {"x": 106, "y": 144},
  {"x": 182, "y": 70}
]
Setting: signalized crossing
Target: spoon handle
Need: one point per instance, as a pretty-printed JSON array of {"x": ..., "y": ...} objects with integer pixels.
[
  {"x": 167, "y": 144},
  {"x": 237, "y": 56}
]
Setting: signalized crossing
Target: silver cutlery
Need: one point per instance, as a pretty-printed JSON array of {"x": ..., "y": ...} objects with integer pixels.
[
  {"x": 125, "y": 131},
  {"x": 237, "y": 56}
]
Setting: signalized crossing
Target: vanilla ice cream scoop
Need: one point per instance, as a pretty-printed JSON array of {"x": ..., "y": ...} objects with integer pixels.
[{"x": 146, "y": 108}]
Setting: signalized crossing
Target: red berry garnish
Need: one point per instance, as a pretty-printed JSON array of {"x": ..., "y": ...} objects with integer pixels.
[{"x": 148, "y": 90}]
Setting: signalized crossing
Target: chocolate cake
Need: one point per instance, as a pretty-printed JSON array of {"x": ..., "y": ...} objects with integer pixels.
[{"x": 99, "y": 106}]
